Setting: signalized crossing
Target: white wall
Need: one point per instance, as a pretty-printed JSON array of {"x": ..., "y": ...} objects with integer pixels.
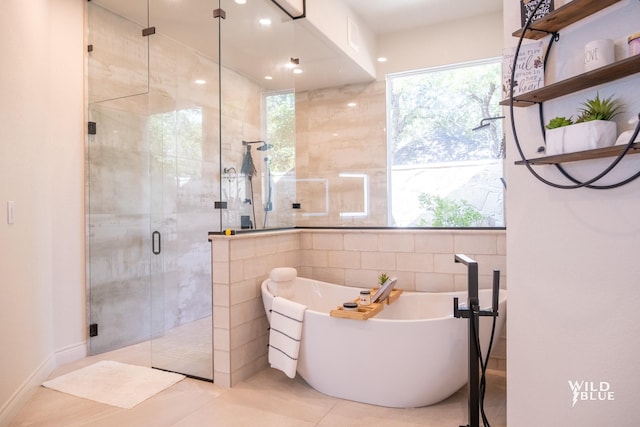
[
  {"x": 443, "y": 44},
  {"x": 345, "y": 29},
  {"x": 573, "y": 279},
  {"x": 41, "y": 169}
]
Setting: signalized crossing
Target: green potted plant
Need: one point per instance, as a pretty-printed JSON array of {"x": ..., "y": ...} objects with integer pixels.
[
  {"x": 558, "y": 122},
  {"x": 599, "y": 109},
  {"x": 592, "y": 129},
  {"x": 383, "y": 277}
]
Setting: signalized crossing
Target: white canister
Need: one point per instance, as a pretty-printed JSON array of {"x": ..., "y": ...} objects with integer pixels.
[
  {"x": 599, "y": 53},
  {"x": 365, "y": 297},
  {"x": 634, "y": 44}
]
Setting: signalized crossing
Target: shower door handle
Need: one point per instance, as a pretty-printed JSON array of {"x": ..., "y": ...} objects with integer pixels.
[{"x": 156, "y": 237}]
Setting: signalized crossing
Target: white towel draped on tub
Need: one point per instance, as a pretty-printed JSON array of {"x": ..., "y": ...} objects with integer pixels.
[{"x": 285, "y": 335}]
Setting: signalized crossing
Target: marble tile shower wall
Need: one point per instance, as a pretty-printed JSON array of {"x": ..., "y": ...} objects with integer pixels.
[
  {"x": 421, "y": 259},
  {"x": 341, "y": 156}
]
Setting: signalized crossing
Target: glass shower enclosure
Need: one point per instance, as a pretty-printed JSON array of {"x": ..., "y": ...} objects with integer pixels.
[{"x": 178, "y": 146}]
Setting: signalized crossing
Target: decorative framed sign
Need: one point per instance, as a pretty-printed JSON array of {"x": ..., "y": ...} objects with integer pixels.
[{"x": 529, "y": 73}]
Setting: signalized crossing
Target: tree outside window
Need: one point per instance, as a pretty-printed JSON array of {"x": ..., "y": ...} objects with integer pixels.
[{"x": 442, "y": 173}]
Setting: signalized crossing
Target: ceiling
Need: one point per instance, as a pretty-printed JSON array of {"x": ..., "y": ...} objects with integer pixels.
[
  {"x": 387, "y": 16},
  {"x": 256, "y": 52}
]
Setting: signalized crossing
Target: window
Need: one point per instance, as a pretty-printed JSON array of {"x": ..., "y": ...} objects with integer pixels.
[
  {"x": 442, "y": 172},
  {"x": 279, "y": 185},
  {"x": 281, "y": 130}
]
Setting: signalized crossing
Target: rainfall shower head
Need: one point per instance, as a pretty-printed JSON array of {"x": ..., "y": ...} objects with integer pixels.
[
  {"x": 482, "y": 126},
  {"x": 245, "y": 143},
  {"x": 263, "y": 147},
  {"x": 485, "y": 122}
]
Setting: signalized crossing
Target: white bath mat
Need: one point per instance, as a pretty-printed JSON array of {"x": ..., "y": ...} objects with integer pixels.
[{"x": 114, "y": 383}]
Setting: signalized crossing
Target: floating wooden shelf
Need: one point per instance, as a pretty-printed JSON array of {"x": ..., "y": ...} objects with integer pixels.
[
  {"x": 560, "y": 18},
  {"x": 608, "y": 73},
  {"x": 564, "y": 16},
  {"x": 597, "y": 153},
  {"x": 365, "y": 312}
]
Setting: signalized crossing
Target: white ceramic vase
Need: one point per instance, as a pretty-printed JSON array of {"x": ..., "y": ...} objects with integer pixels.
[{"x": 580, "y": 137}]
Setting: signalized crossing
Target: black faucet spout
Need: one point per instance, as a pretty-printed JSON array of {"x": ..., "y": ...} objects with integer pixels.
[{"x": 473, "y": 301}]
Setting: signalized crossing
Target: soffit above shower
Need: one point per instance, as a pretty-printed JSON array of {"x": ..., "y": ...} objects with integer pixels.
[
  {"x": 246, "y": 48},
  {"x": 385, "y": 16},
  {"x": 327, "y": 45}
]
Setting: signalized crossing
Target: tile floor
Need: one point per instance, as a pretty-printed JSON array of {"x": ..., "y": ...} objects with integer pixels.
[
  {"x": 269, "y": 398},
  {"x": 187, "y": 349}
]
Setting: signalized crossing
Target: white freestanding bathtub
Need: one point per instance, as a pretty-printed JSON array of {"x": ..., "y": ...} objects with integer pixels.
[{"x": 414, "y": 353}]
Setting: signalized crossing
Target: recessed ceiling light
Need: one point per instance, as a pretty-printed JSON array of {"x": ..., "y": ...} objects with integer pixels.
[
  {"x": 241, "y": 1},
  {"x": 265, "y": 22},
  {"x": 268, "y": 78},
  {"x": 200, "y": 81},
  {"x": 351, "y": 104},
  {"x": 297, "y": 71},
  {"x": 382, "y": 59}
]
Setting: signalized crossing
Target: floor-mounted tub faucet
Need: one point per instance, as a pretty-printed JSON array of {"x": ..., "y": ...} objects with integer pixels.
[{"x": 473, "y": 313}]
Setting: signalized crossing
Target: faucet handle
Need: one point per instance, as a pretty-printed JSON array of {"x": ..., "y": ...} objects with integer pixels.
[{"x": 496, "y": 289}]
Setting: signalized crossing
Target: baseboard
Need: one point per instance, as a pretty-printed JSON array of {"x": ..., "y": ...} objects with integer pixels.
[
  {"x": 61, "y": 357},
  {"x": 71, "y": 354},
  {"x": 11, "y": 407}
]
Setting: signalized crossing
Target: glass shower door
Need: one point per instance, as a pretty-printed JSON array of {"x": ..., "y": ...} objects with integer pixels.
[
  {"x": 184, "y": 158},
  {"x": 117, "y": 191},
  {"x": 149, "y": 171}
]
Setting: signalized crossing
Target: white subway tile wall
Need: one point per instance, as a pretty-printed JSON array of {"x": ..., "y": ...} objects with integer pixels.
[{"x": 423, "y": 260}]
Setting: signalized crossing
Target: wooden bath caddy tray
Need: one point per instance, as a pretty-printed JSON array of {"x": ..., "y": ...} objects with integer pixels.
[
  {"x": 393, "y": 296},
  {"x": 365, "y": 312}
]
